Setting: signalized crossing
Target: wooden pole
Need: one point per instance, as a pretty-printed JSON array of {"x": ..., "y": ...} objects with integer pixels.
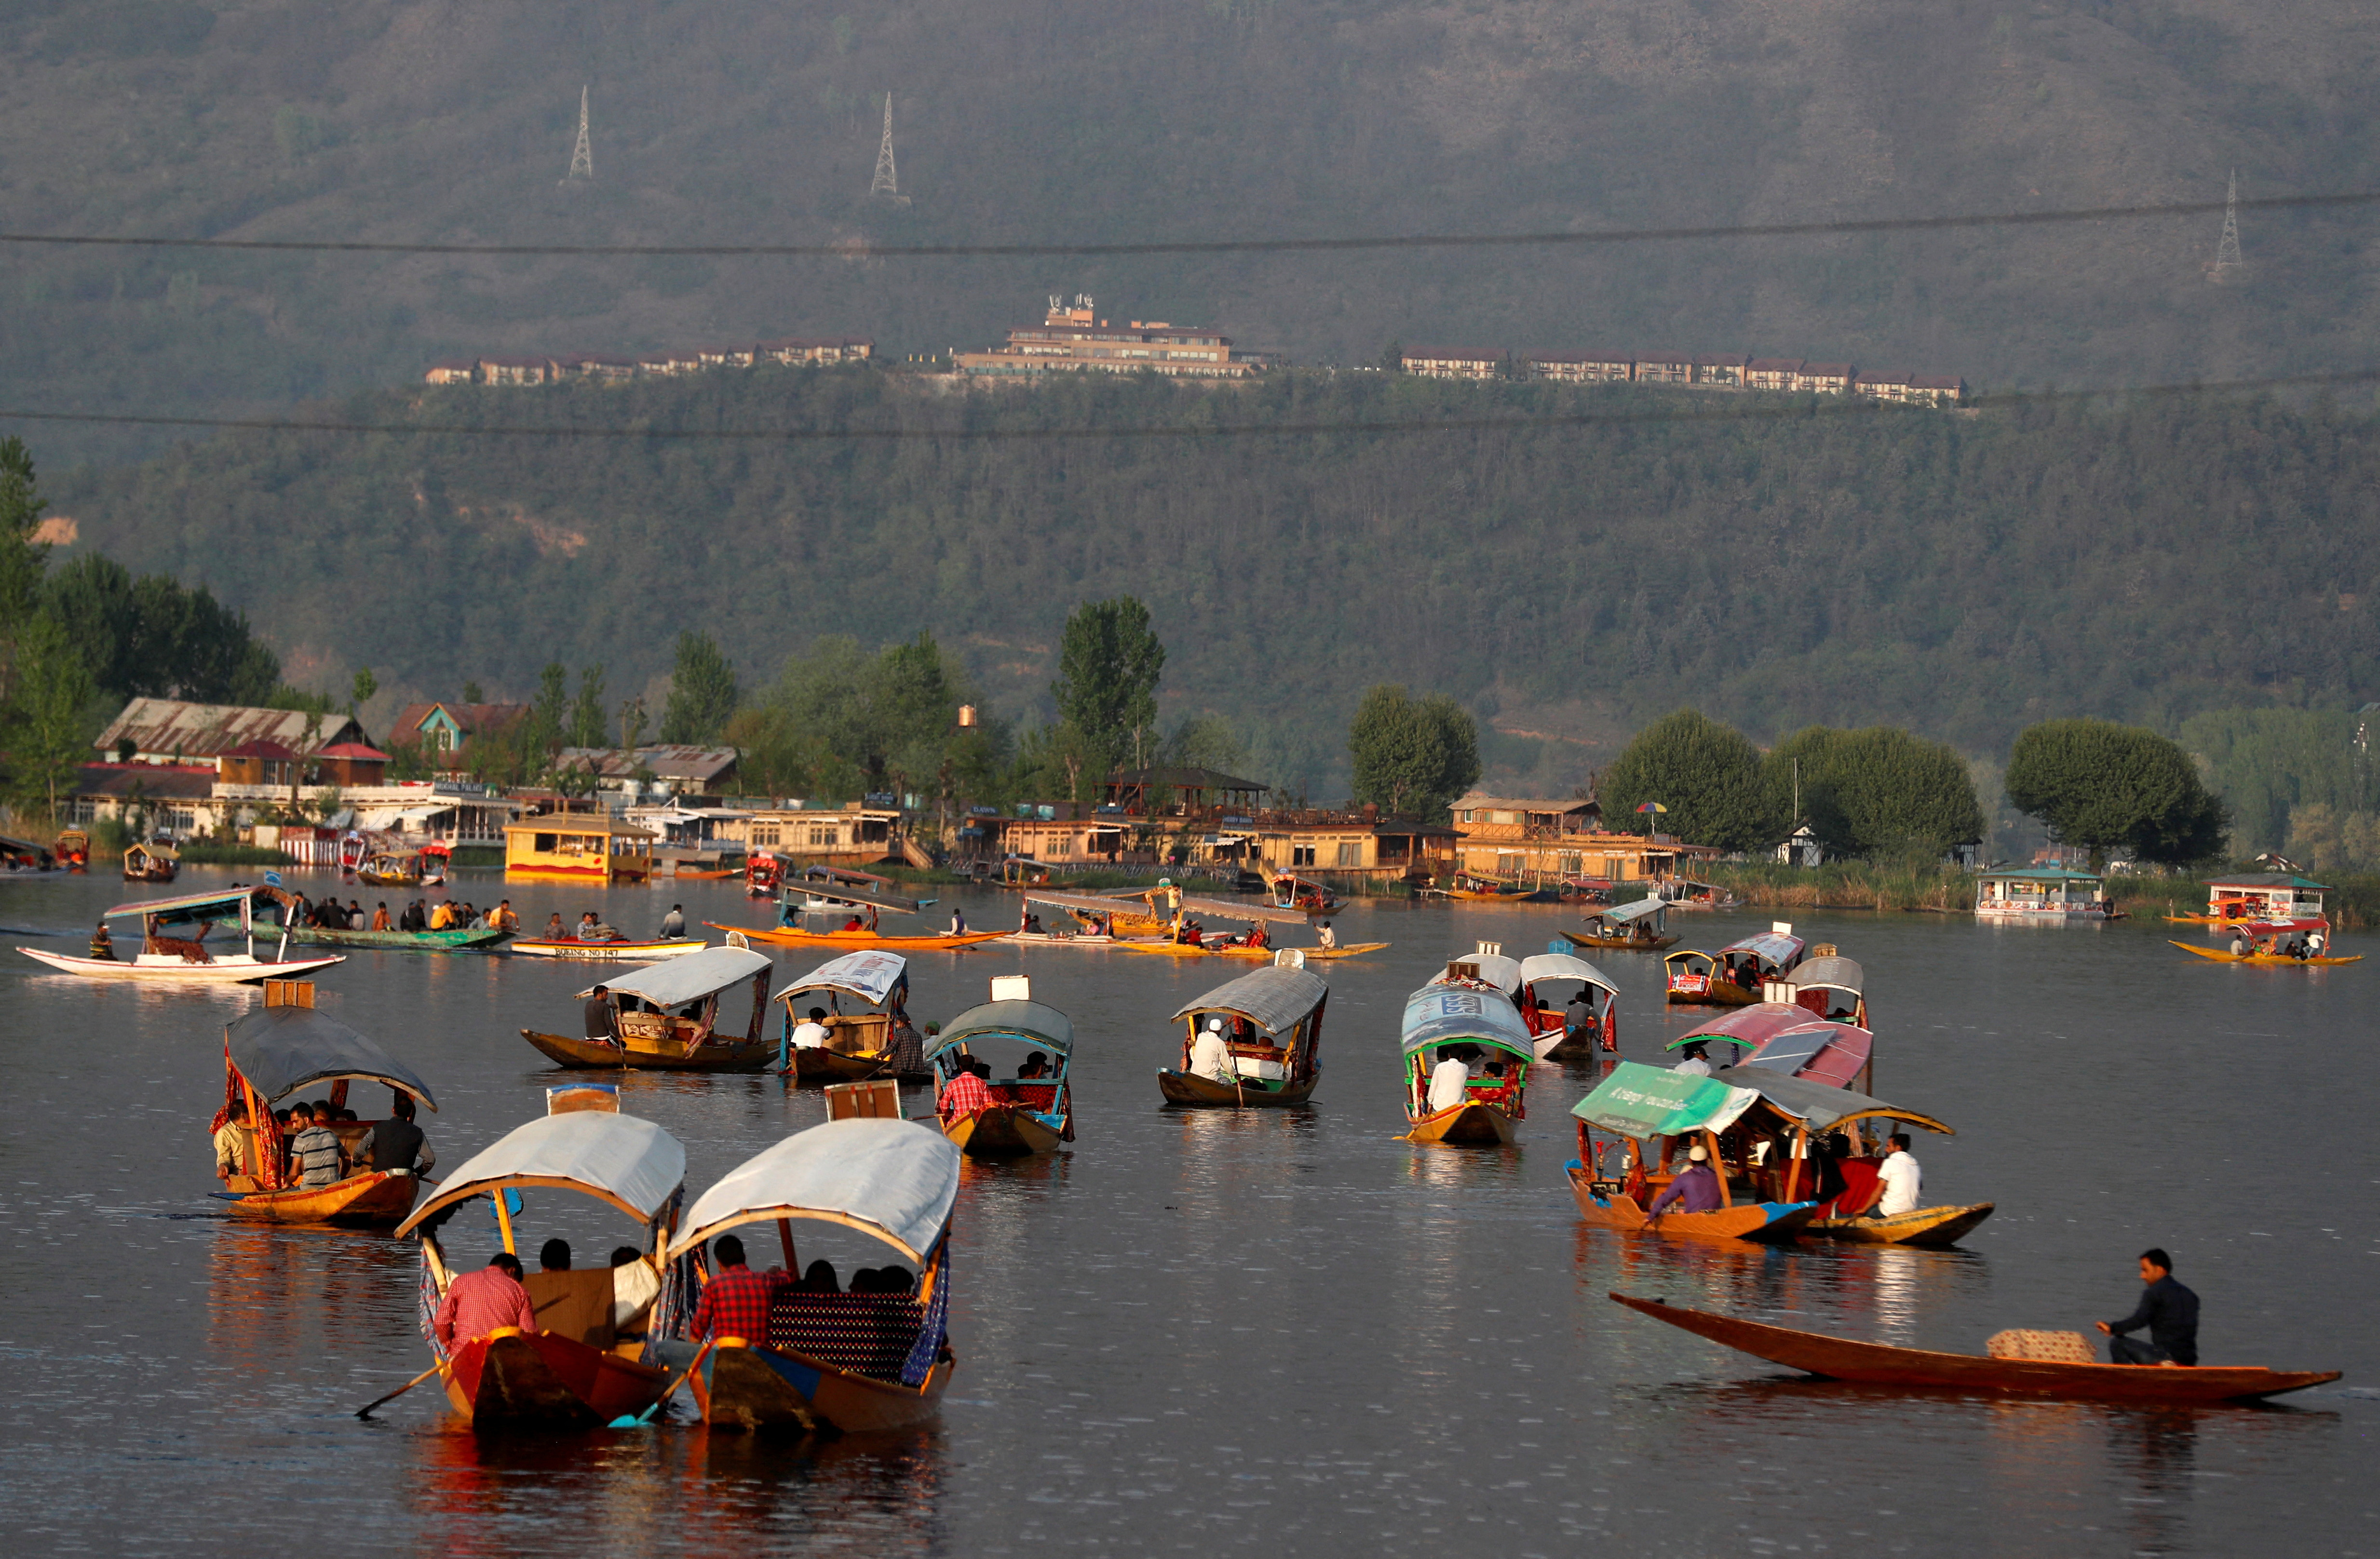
[
  {"x": 1718, "y": 1167},
  {"x": 366, "y": 1410},
  {"x": 786, "y": 1240},
  {"x": 505, "y": 1219}
]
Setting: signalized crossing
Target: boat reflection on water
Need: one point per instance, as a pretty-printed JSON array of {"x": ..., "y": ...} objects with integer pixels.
[
  {"x": 1876, "y": 1293},
  {"x": 278, "y": 1294}
]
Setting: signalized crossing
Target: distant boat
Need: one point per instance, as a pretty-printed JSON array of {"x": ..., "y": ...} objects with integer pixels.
[
  {"x": 153, "y": 861},
  {"x": 1465, "y": 1019},
  {"x": 1272, "y": 1033},
  {"x": 666, "y": 1017},
  {"x": 1027, "y": 1114},
  {"x": 173, "y": 941}
]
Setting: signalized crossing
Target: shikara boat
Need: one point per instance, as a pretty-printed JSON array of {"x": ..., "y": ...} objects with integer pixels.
[
  {"x": 1465, "y": 1019},
  {"x": 1272, "y": 1035},
  {"x": 1307, "y": 897},
  {"x": 2235, "y": 900},
  {"x": 1547, "y": 981},
  {"x": 1733, "y": 975},
  {"x": 571, "y": 949},
  {"x": 1838, "y": 1359},
  {"x": 173, "y": 941},
  {"x": 762, "y": 872},
  {"x": 463, "y": 940},
  {"x": 853, "y": 941},
  {"x": 2266, "y": 941},
  {"x": 817, "y": 888},
  {"x": 575, "y": 1370},
  {"x": 851, "y": 1362},
  {"x": 150, "y": 860},
  {"x": 1681, "y": 894},
  {"x": 1027, "y": 1114},
  {"x": 1643, "y": 1108},
  {"x": 1776, "y": 1036},
  {"x": 665, "y": 1018},
  {"x": 73, "y": 850},
  {"x": 271, "y": 1053},
  {"x": 1182, "y": 933},
  {"x": 1639, "y": 927},
  {"x": 402, "y": 868},
  {"x": 1830, "y": 986},
  {"x": 858, "y": 1044},
  {"x": 1479, "y": 885}
]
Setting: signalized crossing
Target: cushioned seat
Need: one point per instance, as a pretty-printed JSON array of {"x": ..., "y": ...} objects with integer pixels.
[{"x": 866, "y": 1334}]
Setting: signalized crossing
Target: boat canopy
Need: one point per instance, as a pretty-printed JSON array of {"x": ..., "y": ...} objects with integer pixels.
[
  {"x": 1441, "y": 1014},
  {"x": 1640, "y": 1101},
  {"x": 810, "y": 887},
  {"x": 893, "y": 1179},
  {"x": 1792, "y": 1049},
  {"x": 282, "y": 1049},
  {"x": 1224, "y": 910},
  {"x": 675, "y": 981},
  {"x": 1750, "y": 1027},
  {"x": 1274, "y": 999},
  {"x": 1628, "y": 914},
  {"x": 871, "y": 976},
  {"x": 1089, "y": 903},
  {"x": 1564, "y": 966},
  {"x": 1816, "y": 1104},
  {"x": 1832, "y": 971},
  {"x": 1775, "y": 945},
  {"x": 2258, "y": 880},
  {"x": 628, "y": 1162},
  {"x": 186, "y": 906},
  {"x": 1028, "y": 1020},
  {"x": 1502, "y": 973}
]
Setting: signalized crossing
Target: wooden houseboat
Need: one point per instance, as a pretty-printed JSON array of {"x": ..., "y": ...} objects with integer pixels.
[
  {"x": 2267, "y": 896},
  {"x": 2042, "y": 893},
  {"x": 1639, "y": 927},
  {"x": 586, "y": 847},
  {"x": 576, "y": 1370},
  {"x": 150, "y": 860},
  {"x": 1466, "y": 1059},
  {"x": 861, "y": 1042},
  {"x": 665, "y": 1017},
  {"x": 1254, "y": 1043},
  {"x": 269, "y": 1055},
  {"x": 1031, "y": 1109},
  {"x": 848, "y": 1362},
  {"x": 1734, "y": 976},
  {"x": 173, "y": 940},
  {"x": 1549, "y": 982}
]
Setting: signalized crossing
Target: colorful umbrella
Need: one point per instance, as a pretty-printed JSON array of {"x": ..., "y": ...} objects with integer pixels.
[{"x": 1651, "y": 806}]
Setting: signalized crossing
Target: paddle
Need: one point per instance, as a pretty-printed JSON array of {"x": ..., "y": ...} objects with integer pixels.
[
  {"x": 640, "y": 1419},
  {"x": 366, "y": 1410}
]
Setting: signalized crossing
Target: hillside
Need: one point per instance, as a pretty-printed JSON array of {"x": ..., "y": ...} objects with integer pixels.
[
  {"x": 1961, "y": 575},
  {"x": 731, "y": 121}
]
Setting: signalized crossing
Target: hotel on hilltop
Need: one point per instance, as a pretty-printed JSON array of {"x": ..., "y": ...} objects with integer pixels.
[{"x": 1073, "y": 340}]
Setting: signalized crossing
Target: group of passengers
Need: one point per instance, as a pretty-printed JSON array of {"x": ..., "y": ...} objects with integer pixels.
[
  {"x": 477, "y": 1304},
  {"x": 735, "y": 1301},
  {"x": 2289, "y": 943},
  {"x": 1457, "y": 1066},
  {"x": 1898, "y": 1187},
  {"x": 316, "y": 1152}
]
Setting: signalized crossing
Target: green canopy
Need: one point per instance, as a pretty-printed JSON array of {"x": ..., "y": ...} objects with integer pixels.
[{"x": 1641, "y": 1101}]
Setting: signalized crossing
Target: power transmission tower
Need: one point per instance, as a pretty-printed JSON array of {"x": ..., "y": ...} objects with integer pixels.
[
  {"x": 582, "y": 156},
  {"x": 887, "y": 182},
  {"x": 2228, "y": 266}
]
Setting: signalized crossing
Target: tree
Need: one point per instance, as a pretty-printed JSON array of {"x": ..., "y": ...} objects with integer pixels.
[
  {"x": 881, "y": 721},
  {"x": 360, "y": 694},
  {"x": 471, "y": 693},
  {"x": 702, "y": 692},
  {"x": 1706, "y": 774},
  {"x": 47, "y": 737},
  {"x": 1411, "y": 755},
  {"x": 2101, "y": 785},
  {"x": 1877, "y": 791},
  {"x": 590, "y": 726},
  {"x": 1109, "y": 663},
  {"x": 153, "y": 636}
]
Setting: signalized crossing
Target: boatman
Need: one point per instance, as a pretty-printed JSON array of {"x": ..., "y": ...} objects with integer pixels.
[
  {"x": 478, "y": 1302},
  {"x": 811, "y": 1034},
  {"x": 1696, "y": 1189},
  {"x": 1900, "y": 1177},
  {"x": 1450, "y": 1080},
  {"x": 1578, "y": 1016},
  {"x": 231, "y": 1140},
  {"x": 103, "y": 945},
  {"x": 2167, "y": 1309},
  {"x": 600, "y": 1015},
  {"x": 674, "y": 922},
  {"x": 1324, "y": 937},
  {"x": 1211, "y": 1054},
  {"x": 398, "y": 1143},
  {"x": 958, "y": 920},
  {"x": 735, "y": 1301}
]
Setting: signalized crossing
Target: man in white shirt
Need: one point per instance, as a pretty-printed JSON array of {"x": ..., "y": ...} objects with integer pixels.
[
  {"x": 1325, "y": 937},
  {"x": 1448, "y": 1081},
  {"x": 1901, "y": 1178},
  {"x": 1210, "y": 1055},
  {"x": 1696, "y": 1062},
  {"x": 811, "y": 1034}
]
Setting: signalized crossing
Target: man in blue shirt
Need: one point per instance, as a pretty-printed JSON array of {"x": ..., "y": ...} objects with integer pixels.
[{"x": 2167, "y": 1309}]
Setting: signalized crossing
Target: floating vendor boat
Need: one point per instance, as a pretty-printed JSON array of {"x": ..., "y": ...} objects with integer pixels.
[
  {"x": 1032, "y": 1109},
  {"x": 664, "y": 1017},
  {"x": 1830, "y": 986},
  {"x": 846, "y": 1361},
  {"x": 2257, "y": 896},
  {"x": 868, "y": 1043},
  {"x": 1733, "y": 975},
  {"x": 403, "y": 868},
  {"x": 1264, "y": 1052},
  {"x": 763, "y": 872},
  {"x": 576, "y": 1371},
  {"x": 1547, "y": 982},
  {"x": 571, "y": 949},
  {"x": 2275, "y": 943},
  {"x": 173, "y": 941},
  {"x": 1638, "y": 1105},
  {"x": 1466, "y": 1056},
  {"x": 1184, "y": 934},
  {"x": 2043, "y": 893},
  {"x": 1639, "y": 927},
  {"x": 271, "y": 1053},
  {"x": 2004, "y": 1369},
  {"x": 1307, "y": 897},
  {"x": 150, "y": 860}
]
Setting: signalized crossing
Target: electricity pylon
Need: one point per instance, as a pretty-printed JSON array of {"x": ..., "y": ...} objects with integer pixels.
[
  {"x": 887, "y": 182},
  {"x": 582, "y": 156}
]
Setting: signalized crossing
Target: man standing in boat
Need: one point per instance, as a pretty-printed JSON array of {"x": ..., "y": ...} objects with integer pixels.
[{"x": 2167, "y": 1309}]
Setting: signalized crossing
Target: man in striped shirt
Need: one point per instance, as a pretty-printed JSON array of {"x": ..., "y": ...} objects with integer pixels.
[{"x": 315, "y": 1155}]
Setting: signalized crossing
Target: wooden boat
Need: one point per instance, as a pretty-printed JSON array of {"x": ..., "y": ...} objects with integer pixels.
[
  {"x": 269, "y": 1055},
  {"x": 2265, "y": 940},
  {"x": 1874, "y": 1363},
  {"x": 1479, "y": 885},
  {"x": 1776, "y": 1036},
  {"x": 572, "y": 950},
  {"x": 1637, "y": 1106},
  {"x": 73, "y": 850},
  {"x": 402, "y": 868},
  {"x": 1272, "y": 1035},
  {"x": 665, "y": 1018},
  {"x": 1733, "y": 975},
  {"x": 859, "y": 1043},
  {"x": 463, "y": 940},
  {"x": 1027, "y": 1114},
  {"x": 1830, "y": 986},
  {"x": 173, "y": 941},
  {"x": 1466, "y": 1016},
  {"x": 575, "y": 1370},
  {"x": 1307, "y": 897},
  {"x": 1926, "y": 1227},
  {"x": 2234, "y": 901},
  {"x": 1546, "y": 979},
  {"x": 152, "y": 860},
  {"x": 853, "y": 941},
  {"x": 821, "y": 887},
  {"x": 1639, "y": 927},
  {"x": 1681, "y": 894},
  {"x": 762, "y": 872},
  {"x": 846, "y": 1361},
  {"x": 705, "y": 875},
  {"x": 1311, "y": 955}
]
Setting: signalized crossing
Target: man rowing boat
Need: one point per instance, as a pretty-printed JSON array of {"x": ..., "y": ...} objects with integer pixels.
[{"x": 2167, "y": 1309}]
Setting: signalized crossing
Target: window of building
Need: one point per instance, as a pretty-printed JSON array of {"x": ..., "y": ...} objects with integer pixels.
[
  {"x": 825, "y": 834},
  {"x": 1301, "y": 855},
  {"x": 1351, "y": 852}
]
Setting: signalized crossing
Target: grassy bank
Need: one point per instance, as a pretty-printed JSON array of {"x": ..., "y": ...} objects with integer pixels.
[
  {"x": 207, "y": 853},
  {"x": 1847, "y": 885}
]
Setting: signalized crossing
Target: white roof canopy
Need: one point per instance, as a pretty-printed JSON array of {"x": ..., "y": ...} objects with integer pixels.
[
  {"x": 893, "y": 1179},
  {"x": 870, "y": 976},
  {"x": 1563, "y": 966},
  {"x": 630, "y": 1162},
  {"x": 679, "y": 980}
]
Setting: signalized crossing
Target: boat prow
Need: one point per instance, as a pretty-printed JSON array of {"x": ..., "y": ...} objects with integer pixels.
[
  {"x": 1469, "y": 1124},
  {"x": 1608, "y": 1207},
  {"x": 515, "y": 1377},
  {"x": 1932, "y": 1226},
  {"x": 1877, "y": 1364}
]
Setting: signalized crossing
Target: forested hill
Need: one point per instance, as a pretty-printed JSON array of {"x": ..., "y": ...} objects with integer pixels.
[
  {"x": 1962, "y": 575},
  {"x": 728, "y": 122}
]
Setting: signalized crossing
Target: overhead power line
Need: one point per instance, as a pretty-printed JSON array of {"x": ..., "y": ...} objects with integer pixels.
[
  {"x": 1743, "y": 411},
  {"x": 861, "y": 248}
]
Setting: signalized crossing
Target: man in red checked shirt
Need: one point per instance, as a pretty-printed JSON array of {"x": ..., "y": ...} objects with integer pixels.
[
  {"x": 734, "y": 1303},
  {"x": 966, "y": 1094},
  {"x": 478, "y": 1302}
]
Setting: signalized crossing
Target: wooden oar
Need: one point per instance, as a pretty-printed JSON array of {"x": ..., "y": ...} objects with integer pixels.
[
  {"x": 366, "y": 1410},
  {"x": 624, "y": 1422}
]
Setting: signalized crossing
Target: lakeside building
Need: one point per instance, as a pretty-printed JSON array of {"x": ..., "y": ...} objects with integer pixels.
[
  {"x": 1513, "y": 837},
  {"x": 1072, "y": 339},
  {"x": 441, "y": 729},
  {"x": 174, "y": 730},
  {"x": 1454, "y": 362},
  {"x": 1707, "y": 371},
  {"x": 665, "y": 768},
  {"x": 855, "y": 834},
  {"x": 668, "y": 363}
]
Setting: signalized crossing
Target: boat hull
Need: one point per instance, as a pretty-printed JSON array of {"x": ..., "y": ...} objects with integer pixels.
[
  {"x": 537, "y": 1378},
  {"x": 1467, "y": 1125},
  {"x": 1712, "y": 993},
  {"x": 1621, "y": 943},
  {"x": 1188, "y": 1088},
  {"x": 743, "y": 1386},
  {"x": 379, "y": 1199},
  {"x": 817, "y": 1066},
  {"x": 404, "y": 942},
  {"x": 857, "y": 941},
  {"x": 234, "y": 969},
  {"x": 1873, "y": 1363},
  {"x": 1767, "y": 1222},
  {"x": 1926, "y": 1227},
  {"x": 2221, "y": 955},
  {"x": 1351, "y": 949},
  {"x": 590, "y": 1055},
  {"x": 603, "y": 952},
  {"x": 1002, "y": 1131}
]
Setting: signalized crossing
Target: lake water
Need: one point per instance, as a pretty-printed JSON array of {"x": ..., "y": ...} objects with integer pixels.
[{"x": 1270, "y": 1331}]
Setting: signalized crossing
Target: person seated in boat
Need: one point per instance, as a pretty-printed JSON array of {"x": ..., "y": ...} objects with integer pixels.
[
  {"x": 734, "y": 1303},
  {"x": 503, "y": 918},
  {"x": 1578, "y": 1016},
  {"x": 231, "y": 1140},
  {"x": 442, "y": 915},
  {"x": 1193, "y": 934},
  {"x": 812, "y": 1034},
  {"x": 356, "y": 918},
  {"x": 1695, "y": 1189},
  {"x": 1695, "y": 1060},
  {"x": 599, "y": 931},
  {"x": 103, "y": 945},
  {"x": 1037, "y": 1064},
  {"x": 1257, "y": 936},
  {"x": 853, "y": 924},
  {"x": 966, "y": 1092},
  {"x": 635, "y": 1286},
  {"x": 380, "y": 919},
  {"x": 2167, "y": 1309},
  {"x": 1901, "y": 1178},
  {"x": 1449, "y": 1079},
  {"x": 478, "y": 1302},
  {"x": 553, "y": 1256},
  {"x": 958, "y": 920},
  {"x": 554, "y": 930},
  {"x": 1324, "y": 937},
  {"x": 315, "y": 1151},
  {"x": 398, "y": 1143},
  {"x": 819, "y": 1278},
  {"x": 1033, "y": 924},
  {"x": 602, "y": 1020},
  {"x": 674, "y": 922},
  {"x": 1211, "y": 1052}
]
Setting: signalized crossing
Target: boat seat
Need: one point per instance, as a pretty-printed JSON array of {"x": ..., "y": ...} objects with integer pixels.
[
  {"x": 2060, "y": 1347},
  {"x": 866, "y": 1334},
  {"x": 1859, "y": 1182},
  {"x": 1032, "y": 1096},
  {"x": 576, "y": 1304}
]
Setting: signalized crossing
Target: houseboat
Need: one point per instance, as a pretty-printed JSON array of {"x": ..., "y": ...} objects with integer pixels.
[
  {"x": 2268, "y": 896},
  {"x": 577, "y": 846},
  {"x": 2043, "y": 893}
]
